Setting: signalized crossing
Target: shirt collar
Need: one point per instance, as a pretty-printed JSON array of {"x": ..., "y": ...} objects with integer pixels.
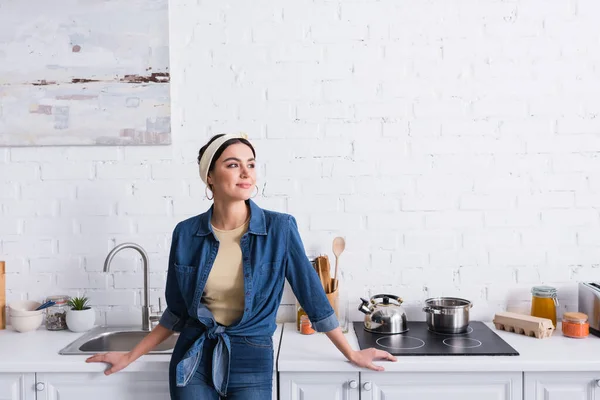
[{"x": 257, "y": 225}]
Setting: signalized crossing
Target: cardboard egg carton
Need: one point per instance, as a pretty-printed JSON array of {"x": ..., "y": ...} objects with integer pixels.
[{"x": 524, "y": 324}]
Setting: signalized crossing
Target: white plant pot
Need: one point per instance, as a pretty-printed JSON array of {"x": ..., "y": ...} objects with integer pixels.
[{"x": 81, "y": 320}]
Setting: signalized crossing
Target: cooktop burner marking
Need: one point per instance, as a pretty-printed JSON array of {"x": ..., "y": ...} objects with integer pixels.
[
  {"x": 469, "y": 330},
  {"x": 400, "y": 342},
  {"x": 465, "y": 343}
]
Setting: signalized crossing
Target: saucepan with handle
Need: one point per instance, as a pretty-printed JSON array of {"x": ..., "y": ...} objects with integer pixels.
[{"x": 447, "y": 314}]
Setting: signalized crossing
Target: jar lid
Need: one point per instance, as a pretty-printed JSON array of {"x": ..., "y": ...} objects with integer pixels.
[
  {"x": 543, "y": 291},
  {"x": 58, "y": 299},
  {"x": 577, "y": 317}
]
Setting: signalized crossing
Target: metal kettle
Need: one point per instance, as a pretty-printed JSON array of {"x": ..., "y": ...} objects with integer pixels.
[{"x": 384, "y": 314}]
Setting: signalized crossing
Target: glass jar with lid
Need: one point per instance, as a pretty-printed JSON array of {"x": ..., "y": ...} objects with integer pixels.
[
  {"x": 299, "y": 309},
  {"x": 544, "y": 302},
  {"x": 575, "y": 325},
  {"x": 299, "y": 314},
  {"x": 56, "y": 315},
  {"x": 305, "y": 326}
]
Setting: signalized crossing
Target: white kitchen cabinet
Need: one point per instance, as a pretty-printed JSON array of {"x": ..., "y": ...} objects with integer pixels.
[
  {"x": 319, "y": 386},
  {"x": 17, "y": 386},
  {"x": 446, "y": 385},
  {"x": 97, "y": 386},
  {"x": 562, "y": 386}
]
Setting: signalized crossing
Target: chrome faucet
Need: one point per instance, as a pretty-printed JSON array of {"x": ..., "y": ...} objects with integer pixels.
[{"x": 145, "y": 308}]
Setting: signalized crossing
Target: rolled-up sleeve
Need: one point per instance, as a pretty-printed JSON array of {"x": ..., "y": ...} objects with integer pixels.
[
  {"x": 175, "y": 315},
  {"x": 305, "y": 283}
]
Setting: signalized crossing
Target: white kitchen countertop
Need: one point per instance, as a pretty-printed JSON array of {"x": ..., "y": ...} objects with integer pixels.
[
  {"x": 315, "y": 353},
  {"x": 37, "y": 351}
]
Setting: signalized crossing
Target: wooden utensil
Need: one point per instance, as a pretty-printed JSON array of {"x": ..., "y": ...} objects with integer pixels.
[
  {"x": 319, "y": 265},
  {"x": 339, "y": 244},
  {"x": 327, "y": 274}
]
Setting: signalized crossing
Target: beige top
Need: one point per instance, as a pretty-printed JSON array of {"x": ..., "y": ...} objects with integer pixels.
[{"x": 224, "y": 290}]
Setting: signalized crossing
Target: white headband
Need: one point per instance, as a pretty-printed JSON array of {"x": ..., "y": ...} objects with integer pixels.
[{"x": 210, "y": 151}]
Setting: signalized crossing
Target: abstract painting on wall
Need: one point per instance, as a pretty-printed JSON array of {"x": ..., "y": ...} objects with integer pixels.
[{"x": 92, "y": 72}]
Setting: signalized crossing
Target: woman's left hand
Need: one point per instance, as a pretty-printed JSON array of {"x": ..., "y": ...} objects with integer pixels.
[{"x": 364, "y": 358}]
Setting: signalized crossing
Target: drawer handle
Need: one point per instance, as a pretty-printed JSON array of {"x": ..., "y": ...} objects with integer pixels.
[
  {"x": 598, "y": 382},
  {"x": 353, "y": 384},
  {"x": 40, "y": 386},
  {"x": 367, "y": 386}
]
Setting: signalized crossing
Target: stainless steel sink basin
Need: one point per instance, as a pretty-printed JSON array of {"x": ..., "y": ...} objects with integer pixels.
[{"x": 114, "y": 338}]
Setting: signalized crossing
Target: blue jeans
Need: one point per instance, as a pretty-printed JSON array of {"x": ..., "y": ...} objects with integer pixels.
[{"x": 250, "y": 374}]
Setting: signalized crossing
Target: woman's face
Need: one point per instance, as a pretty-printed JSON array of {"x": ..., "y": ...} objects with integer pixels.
[{"x": 234, "y": 174}]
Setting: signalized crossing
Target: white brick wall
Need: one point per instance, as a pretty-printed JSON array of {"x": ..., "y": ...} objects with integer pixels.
[{"x": 455, "y": 146}]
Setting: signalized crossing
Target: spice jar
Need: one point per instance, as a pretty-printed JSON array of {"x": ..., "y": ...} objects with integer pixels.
[
  {"x": 56, "y": 315},
  {"x": 305, "y": 326},
  {"x": 299, "y": 314},
  {"x": 575, "y": 325},
  {"x": 544, "y": 302}
]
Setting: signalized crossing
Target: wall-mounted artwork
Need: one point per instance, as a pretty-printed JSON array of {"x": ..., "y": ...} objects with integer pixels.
[{"x": 93, "y": 72}]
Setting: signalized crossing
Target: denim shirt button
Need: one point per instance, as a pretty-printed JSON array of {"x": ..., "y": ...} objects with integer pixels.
[
  {"x": 247, "y": 275},
  {"x": 247, "y": 293}
]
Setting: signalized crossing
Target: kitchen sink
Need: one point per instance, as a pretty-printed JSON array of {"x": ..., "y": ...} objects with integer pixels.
[{"x": 114, "y": 338}]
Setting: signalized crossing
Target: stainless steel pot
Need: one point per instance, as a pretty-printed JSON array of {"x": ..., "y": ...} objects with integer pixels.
[{"x": 447, "y": 314}]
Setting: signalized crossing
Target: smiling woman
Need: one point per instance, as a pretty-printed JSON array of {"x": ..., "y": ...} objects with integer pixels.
[
  {"x": 227, "y": 269},
  {"x": 235, "y": 155}
]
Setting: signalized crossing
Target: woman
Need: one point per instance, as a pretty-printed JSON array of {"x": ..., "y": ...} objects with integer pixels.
[{"x": 224, "y": 284}]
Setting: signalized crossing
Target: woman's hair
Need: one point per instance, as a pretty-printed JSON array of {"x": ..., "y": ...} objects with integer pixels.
[{"x": 221, "y": 149}]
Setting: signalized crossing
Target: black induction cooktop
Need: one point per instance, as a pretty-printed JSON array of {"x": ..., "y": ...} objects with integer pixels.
[{"x": 479, "y": 340}]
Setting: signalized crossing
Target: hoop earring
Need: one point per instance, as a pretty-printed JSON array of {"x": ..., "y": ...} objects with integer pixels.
[
  {"x": 255, "y": 194},
  {"x": 206, "y": 193}
]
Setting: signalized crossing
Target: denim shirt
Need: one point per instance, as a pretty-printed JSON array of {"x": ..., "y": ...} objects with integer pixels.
[{"x": 272, "y": 251}]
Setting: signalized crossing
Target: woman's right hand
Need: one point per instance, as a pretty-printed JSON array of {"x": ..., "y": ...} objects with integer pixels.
[{"x": 117, "y": 361}]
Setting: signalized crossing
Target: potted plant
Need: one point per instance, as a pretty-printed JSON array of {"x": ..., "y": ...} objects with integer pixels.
[{"x": 80, "y": 316}]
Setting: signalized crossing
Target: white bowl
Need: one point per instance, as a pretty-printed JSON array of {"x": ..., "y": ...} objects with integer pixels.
[
  {"x": 24, "y": 308},
  {"x": 26, "y": 324}
]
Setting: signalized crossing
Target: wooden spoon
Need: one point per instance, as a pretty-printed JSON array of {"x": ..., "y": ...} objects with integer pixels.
[{"x": 339, "y": 244}]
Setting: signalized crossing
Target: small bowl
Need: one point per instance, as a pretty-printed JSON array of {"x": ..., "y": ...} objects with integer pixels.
[
  {"x": 24, "y": 308},
  {"x": 26, "y": 324}
]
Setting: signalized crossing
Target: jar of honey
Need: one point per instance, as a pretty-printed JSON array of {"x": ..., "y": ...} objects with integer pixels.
[
  {"x": 299, "y": 314},
  {"x": 575, "y": 325},
  {"x": 544, "y": 302}
]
